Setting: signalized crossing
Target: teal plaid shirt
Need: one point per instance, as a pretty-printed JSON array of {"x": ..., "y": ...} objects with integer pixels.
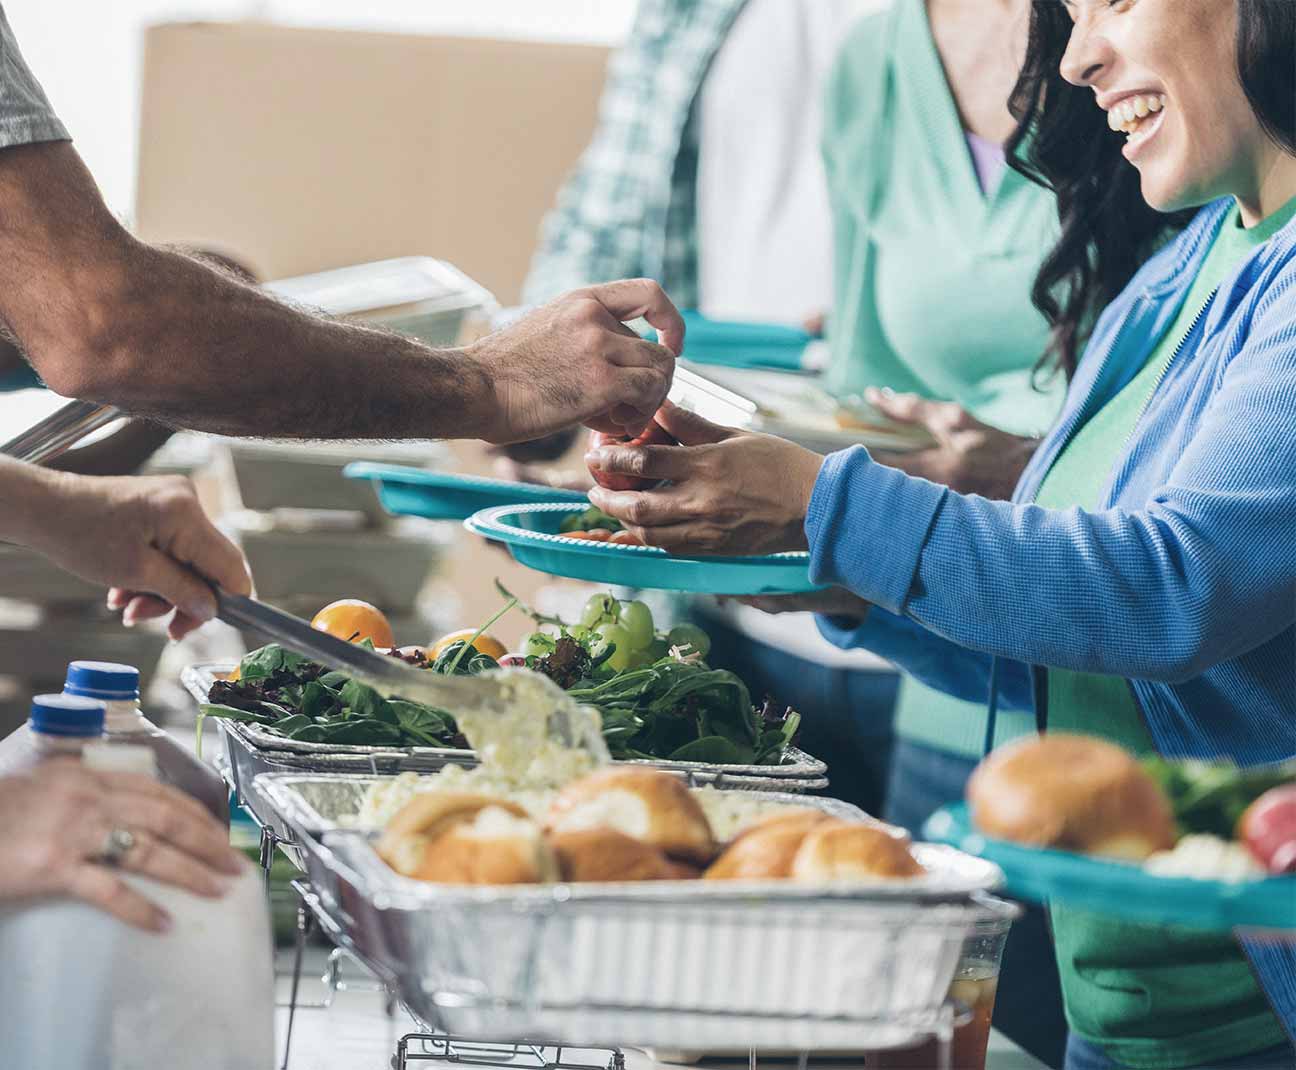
[{"x": 630, "y": 207}]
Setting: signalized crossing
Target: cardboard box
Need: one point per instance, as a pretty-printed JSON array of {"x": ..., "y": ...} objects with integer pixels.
[{"x": 298, "y": 150}]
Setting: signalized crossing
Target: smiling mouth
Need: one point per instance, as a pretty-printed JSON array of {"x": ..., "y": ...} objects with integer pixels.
[{"x": 1135, "y": 113}]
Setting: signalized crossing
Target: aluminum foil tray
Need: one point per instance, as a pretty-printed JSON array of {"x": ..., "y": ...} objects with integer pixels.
[
  {"x": 667, "y": 964},
  {"x": 804, "y": 773}
]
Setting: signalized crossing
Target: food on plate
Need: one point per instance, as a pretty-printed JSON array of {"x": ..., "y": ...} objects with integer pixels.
[
  {"x": 483, "y": 644},
  {"x": 466, "y": 839},
  {"x": 653, "y": 435},
  {"x": 1205, "y": 820},
  {"x": 1074, "y": 792},
  {"x": 355, "y": 621},
  {"x": 604, "y": 854},
  {"x": 649, "y": 805},
  {"x": 1202, "y": 856},
  {"x": 1268, "y": 829},
  {"x": 766, "y": 849},
  {"x": 1212, "y": 796},
  {"x": 594, "y": 525},
  {"x": 845, "y": 851}
]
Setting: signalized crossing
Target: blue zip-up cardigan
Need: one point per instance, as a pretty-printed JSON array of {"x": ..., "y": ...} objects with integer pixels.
[{"x": 1182, "y": 581}]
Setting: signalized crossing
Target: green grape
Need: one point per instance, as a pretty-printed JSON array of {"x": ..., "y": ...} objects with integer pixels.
[
  {"x": 580, "y": 633},
  {"x": 600, "y": 608},
  {"x": 624, "y": 653},
  {"x": 636, "y": 618},
  {"x": 538, "y": 644},
  {"x": 691, "y": 636}
]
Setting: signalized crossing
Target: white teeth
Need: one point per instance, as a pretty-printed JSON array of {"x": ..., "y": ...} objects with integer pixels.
[{"x": 1128, "y": 114}]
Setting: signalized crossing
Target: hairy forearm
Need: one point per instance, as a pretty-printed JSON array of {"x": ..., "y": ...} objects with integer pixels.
[
  {"x": 155, "y": 332},
  {"x": 192, "y": 348},
  {"x": 28, "y": 495}
]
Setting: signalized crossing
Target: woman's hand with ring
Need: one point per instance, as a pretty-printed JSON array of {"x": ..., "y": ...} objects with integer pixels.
[
  {"x": 63, "y": 819},
  {"x": 729, "y": 492}
]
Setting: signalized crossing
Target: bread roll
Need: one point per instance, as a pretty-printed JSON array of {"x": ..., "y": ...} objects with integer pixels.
[
  {"x": 1075, "y": 792},
  {"x": 765, "y": 850},
  {"x": 466, "y": 839},
  {"x": 604, "y": 854},
  {"x": 843, "y": 850},
  {"x": 646, "y": 804}
]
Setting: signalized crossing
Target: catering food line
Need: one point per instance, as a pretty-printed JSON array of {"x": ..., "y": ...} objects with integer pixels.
[{"x": 324, "y": 812}]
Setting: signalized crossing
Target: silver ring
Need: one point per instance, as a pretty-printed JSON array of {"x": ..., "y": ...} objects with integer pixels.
[{"x": 117, "y": 844}]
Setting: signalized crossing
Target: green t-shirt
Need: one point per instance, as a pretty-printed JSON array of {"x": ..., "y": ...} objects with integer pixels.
[
  {"x": 932, "y": 277},
  {"x": 1152, "y": 997}
]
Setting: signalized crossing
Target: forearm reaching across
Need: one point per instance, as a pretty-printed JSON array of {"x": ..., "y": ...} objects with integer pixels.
[{"x": 104, "y": 317}]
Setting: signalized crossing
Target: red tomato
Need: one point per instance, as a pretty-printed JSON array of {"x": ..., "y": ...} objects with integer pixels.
[
  {"x": 653, "y": 435},
  {"x": 1268, "y": 828}
]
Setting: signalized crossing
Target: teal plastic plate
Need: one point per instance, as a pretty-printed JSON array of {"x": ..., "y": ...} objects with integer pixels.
[
  {"x": 1121, "y": 890},
  {"x": 743, "y": 345},
  {"x": 447, "y": 496},
  {"x": 531, "y": 534}
]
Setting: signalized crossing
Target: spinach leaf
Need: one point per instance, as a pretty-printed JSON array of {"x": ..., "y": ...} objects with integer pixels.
[
  {"x": 714, "y": 749},
  {"x": 360, "y": 698},
  {"x": 269, "y": 660},
  {"x": 365, "y": 732},
  {"x": 334, "y": 680},
  {"x": 471, "y": 663},
  {"x": 317, "y": 699},
  {"x": 288, "y": 725},
  {"x": 230, "y": 713}
]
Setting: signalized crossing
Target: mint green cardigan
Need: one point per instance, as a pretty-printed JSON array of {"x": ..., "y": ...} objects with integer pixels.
[{"x": 932, "y": 280}]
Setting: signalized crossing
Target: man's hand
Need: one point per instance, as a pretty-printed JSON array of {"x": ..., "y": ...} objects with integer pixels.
[
  {"x": 58, "y": 818},
  {"x": 730, "y": 492},
  {"x": 574, "y": 361},
  {"x": 970, "y": 457},
  {"x": 147, "y": 537}
]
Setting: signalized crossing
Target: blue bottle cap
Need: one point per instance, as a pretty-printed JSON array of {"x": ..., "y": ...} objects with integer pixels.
[
  {"x": 67, "y": 715},
  {"x": 103, "y": 680}
]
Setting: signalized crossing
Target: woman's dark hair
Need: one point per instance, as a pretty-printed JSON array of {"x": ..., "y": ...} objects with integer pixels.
[{"x": 1062, "y": 141}]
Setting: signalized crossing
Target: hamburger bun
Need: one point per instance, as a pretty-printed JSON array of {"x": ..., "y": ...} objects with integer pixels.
[
  {"x": 764, "y": 851},
  {"x": 466, "y": 839},
  {"x": 645, "y": 804},
  {"x": 844, "y": 850},
  {"x": 604, "y": 854},
  {"x": 1075, "y": 792}
]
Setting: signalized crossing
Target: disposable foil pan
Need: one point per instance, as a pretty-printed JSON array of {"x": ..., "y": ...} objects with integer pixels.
[
  {"x": 803, "y": 773},
  {"x": 689, "y": 964}
]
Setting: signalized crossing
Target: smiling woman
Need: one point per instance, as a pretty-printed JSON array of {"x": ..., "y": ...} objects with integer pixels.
[
  {"x": 1139, "y": 585},
  {"x": 1114, "y": 217}
]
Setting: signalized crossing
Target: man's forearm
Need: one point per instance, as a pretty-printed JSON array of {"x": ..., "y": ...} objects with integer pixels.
[
  {"x": 155, "y": 332},
  {"x": 198, "y": 350}
]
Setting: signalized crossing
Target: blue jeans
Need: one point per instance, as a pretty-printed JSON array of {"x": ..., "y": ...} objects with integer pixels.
[
  {"x": 1028, "y": 1006},
  {"x": 1081, "y": 1055},
  {"x": 845, "y": 714}
]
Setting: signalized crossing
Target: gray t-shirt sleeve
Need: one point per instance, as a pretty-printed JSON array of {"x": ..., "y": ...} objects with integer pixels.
[{"x": 25, "y": 113}]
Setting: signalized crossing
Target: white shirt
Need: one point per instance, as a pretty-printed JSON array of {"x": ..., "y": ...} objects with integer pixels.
[{"x": 764, "y": 229}]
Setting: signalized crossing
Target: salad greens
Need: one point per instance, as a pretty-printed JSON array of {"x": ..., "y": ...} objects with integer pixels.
[
  {"x": 589, "y": 520},
  {"x": 1210, "y": 797},
  {"x": 657, "y": 696}
]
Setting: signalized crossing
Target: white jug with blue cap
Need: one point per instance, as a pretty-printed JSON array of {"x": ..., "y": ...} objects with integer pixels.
[
  {"x": 58, "y": 725},
  {"x": 81, "y": 990},
  {"x": 117, "y": 686}
]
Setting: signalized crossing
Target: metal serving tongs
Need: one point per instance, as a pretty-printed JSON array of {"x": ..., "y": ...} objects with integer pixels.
[
  {"x": 59, "y": 431},
  {"x": 491, "y": 693}
]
